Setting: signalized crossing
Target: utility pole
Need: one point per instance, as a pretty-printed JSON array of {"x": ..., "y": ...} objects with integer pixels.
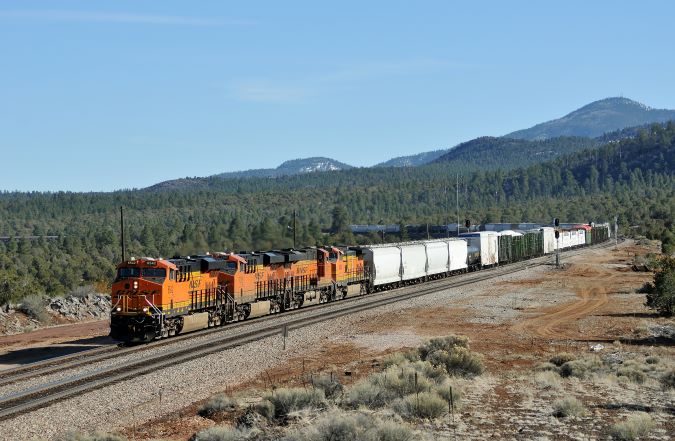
[
  {"x": 447, "y": 211},
  {"x": 457, "y": 201},
  {"x": 294, "y": 229},
  {"x": 124, "y": 251},
  {"x": 616, "y": 230}
]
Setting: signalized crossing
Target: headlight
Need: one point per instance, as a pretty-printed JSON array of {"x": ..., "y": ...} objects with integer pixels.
[
  {"x": 135, "y": 284},
  {"x": 118, "y": 308},
  {"x": 145, "y": 309}
]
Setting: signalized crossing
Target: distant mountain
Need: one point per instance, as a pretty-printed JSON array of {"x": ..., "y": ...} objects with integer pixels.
[
  {"x": 288, "y": 168},
  {"x": 597, "y": 118},
  {"x": 491, "y": 153},
  {"x": 413, "y": 160}
]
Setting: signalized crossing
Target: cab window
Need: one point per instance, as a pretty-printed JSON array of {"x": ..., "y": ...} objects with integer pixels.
[
  {"x": 126, "y": 273},
  {"x": 154, "y": 273}
]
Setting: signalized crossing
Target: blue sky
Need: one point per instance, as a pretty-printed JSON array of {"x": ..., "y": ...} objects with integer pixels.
[{"x": 98, "y": 96}]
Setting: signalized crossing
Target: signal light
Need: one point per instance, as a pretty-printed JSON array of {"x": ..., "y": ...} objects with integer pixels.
[
  {"x": 467, "y": 223},
  {"x": 556, "y": 222},
  {"x": 557, "y": 234}
]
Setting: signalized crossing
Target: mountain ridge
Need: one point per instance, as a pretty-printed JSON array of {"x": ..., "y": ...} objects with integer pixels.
[{"x": 595, "y": 119}]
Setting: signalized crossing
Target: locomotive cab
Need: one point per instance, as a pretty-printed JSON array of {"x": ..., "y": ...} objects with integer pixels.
[{"x": 136, "y": 298}]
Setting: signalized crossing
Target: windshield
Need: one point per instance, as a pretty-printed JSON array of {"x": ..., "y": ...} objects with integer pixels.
[
  {"x": 154, "y": 272},
  {"x": 231, "y": 267},
  {"x": 125, "y": 273}
]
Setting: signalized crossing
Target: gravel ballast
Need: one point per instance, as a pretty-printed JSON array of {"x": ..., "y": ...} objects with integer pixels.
[{"x": 137, "y": 401}]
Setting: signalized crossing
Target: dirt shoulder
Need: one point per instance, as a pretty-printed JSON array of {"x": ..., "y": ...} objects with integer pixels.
[{"x": 54, "y": 341}]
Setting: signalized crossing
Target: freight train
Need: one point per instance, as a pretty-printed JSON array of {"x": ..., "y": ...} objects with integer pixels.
[{"x": 159, "y": 298}]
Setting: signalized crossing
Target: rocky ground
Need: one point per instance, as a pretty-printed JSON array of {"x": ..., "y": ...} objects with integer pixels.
[
  {"x": 517, "y": 322},
  {"x": 53, "y": 327},
  {"x": 16, "y": 319}
]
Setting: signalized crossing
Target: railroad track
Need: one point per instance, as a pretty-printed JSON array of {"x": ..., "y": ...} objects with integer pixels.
[{"x": 43, "y": 395}]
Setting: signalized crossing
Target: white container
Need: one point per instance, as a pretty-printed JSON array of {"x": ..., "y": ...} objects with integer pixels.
[
  {"x": 509, "y": 233},
  {"x": 438, "y": 257},
  {"x": 486, "y": 242},
  {"x": 582, "y": 236},
  {"x": 457, "y": 249},
  {"x": 549, "y": 239},
  {"x": 413, "y": 261},
  {"x": 565, "y": 239},
  {"x": 384, "y": 263}
]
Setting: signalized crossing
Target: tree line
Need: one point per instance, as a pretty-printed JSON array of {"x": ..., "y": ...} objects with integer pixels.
[{"x": 632, "y": 178}]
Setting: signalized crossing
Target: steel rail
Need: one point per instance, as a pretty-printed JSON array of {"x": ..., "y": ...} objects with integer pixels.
[{"x": 40, "y": 396}]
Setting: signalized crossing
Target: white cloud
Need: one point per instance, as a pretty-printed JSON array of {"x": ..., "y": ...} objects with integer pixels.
[
  {"x": 116, "y": 17},
  {"x": 280, "y": 90}
]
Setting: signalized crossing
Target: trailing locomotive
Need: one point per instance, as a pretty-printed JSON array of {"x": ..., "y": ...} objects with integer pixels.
[{"x": 158, "y": 298}]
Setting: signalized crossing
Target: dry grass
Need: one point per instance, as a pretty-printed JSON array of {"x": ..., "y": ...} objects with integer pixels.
[
  {"x": 635, "y": 426},
  {"x": 34, "y": 306},
  {"x": 425, "y": 405},
  {"x": 547, "y": 380},
  {"x": 562, "y": 358},
  {"x": 668, "y": 379},
  {"x": 95, "y": 436},
  {"x": 568, "y": 406},
  {"x": 220, "y": 433},
  {"x": 338, "y": 425},
  {"x": 291, "y": 400},
  {"x": 218, "y": 403}
]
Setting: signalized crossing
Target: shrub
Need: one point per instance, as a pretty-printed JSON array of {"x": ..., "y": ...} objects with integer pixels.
[
  {"x": 220, "y": 433},
  {"x": 632, "y": 373},
  {"x": 547, "y": 380},
  {"x": 450, "y": 394},
  {"x": 369, "y": 395},
  {"x": 443, "y": 344},
  {"x": 82, "y": 291},
  {"x": 290, "y": 400},
  {"x": 668, "y": 379},
  {"x": 395, "y": 359},
  {"x": 340, "y": 426},
  {"x": 652, "y": 360},
  {"x": 329, "y": 384},
  {"x": 428, "y": 405},
  {"x": 635, "y": 426},
  {"x": 266, "y": 409},
  {"x": 562, "y": 358},
  {"x": 568, "y": 406},
  {"x": 392, "y": 431},
  {"x": 546, "y": 366},
  {"x": 34, "y": 306},
  {"x": 458, "y": 361},
  {"x": 337, "y": 428},
  {"x": 661, "y": 294},
  {"x": 96, "y": 436},
  {"x": 436, "y": 374},
  {"x": 218, "y": 403},
  {"x": 396, "y": 382},
  {"x": 578, "y": 368}
]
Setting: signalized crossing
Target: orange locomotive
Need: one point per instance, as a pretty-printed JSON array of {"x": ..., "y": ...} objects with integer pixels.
[{"x": 160, "y": 298}]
